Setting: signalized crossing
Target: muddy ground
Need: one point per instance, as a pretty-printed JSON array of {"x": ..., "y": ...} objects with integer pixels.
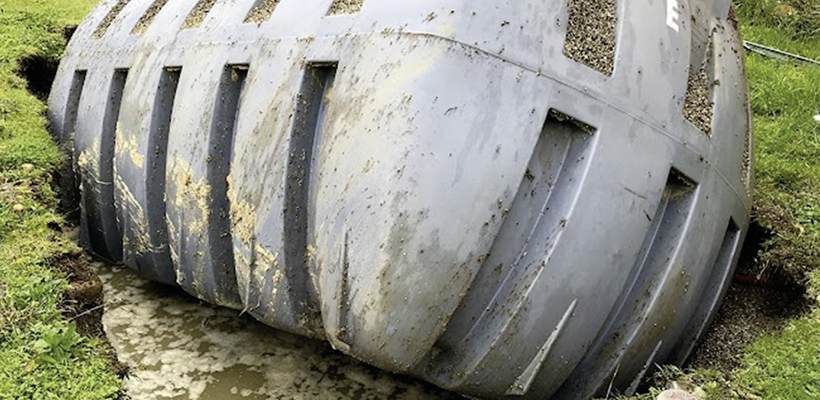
[{"x": 180, "y": 348}]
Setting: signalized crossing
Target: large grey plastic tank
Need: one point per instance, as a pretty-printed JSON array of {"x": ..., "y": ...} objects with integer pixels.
[{"x": 511, "y": 198}]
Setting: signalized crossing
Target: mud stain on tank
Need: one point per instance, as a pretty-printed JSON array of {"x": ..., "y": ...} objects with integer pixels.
[{"x": 181, "y": 348}]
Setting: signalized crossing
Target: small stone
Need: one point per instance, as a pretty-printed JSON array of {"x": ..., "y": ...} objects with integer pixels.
[
  {"x": 817, "y": 118},
  {"x": 27, "y": 167},
  {"x": 18, "y": 207},
  {"x": 676, "y": 394}
]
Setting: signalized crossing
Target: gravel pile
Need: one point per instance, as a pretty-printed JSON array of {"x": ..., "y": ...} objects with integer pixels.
[
  {"x": 112, "y": 15},
  {"x": 591, "y": 34},
  {"x": 262, "y": 11},
  {"x": 148, "y": 17},
  {"x": 697, "y": 105},
  {"x": 340, "y": 7},
  {"x": 198, "y": 14},
  {"x": 747, "y": 313}
]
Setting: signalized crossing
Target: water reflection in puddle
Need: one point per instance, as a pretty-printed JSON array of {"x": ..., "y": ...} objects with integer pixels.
[{"x": 181, "y": 348}]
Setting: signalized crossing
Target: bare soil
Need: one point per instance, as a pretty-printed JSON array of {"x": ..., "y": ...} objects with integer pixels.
[
  {"x": 748, "y": 313},
  {"x": 83, "y": 302}
]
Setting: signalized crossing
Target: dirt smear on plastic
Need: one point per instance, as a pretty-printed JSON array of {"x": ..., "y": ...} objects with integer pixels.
[{"x": 181, "y": 348}]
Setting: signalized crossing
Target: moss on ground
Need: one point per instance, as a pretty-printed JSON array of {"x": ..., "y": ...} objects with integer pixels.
[{"x": 41, "y": 356}]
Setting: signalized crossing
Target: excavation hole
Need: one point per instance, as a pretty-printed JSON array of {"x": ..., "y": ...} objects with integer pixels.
[
  {"x": 39, "y": 72},
  {"x": 758, "y": 302}
]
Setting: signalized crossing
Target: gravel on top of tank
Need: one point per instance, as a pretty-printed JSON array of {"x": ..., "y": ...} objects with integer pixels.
[
  {"x": 262, "y": 11},
  {"x": 591, "y": 34},
  {"x": 148, "y": 17},
  {"x": 198, "y": 14},
  {"x": 340, "y": 7},
  {"x": 697, "y": 105},
  {"x": 109, "y": 18}
]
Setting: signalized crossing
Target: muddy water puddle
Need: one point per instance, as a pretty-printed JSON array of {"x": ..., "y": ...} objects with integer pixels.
[{"x": 181, "y": 348}]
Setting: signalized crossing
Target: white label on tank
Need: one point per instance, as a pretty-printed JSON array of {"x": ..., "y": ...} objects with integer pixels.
[{"x": 673, "y": 14}]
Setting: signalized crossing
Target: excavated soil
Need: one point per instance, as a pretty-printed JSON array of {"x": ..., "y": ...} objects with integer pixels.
[
  {"x": 591, "y": 34},
  {"x": 697, "y": 105},
  {"x": 83, "y": 301},
  {"x": 148, "y": 17},
  {"x": 340, "y": 7},
  {"x": 262, "y": 11},
  {"x": 198, "y": 14}
]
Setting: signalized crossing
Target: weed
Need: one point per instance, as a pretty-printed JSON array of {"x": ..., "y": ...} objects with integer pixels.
[{"x": 58, "y": 345}]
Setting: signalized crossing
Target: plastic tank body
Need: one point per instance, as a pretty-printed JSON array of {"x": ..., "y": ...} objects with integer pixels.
[{"x": 507, "y": 199}]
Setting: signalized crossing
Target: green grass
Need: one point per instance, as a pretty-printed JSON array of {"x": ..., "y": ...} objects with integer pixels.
[
  {"x": 41, "y": 356},
  {"x": 785, "y": 99}
]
